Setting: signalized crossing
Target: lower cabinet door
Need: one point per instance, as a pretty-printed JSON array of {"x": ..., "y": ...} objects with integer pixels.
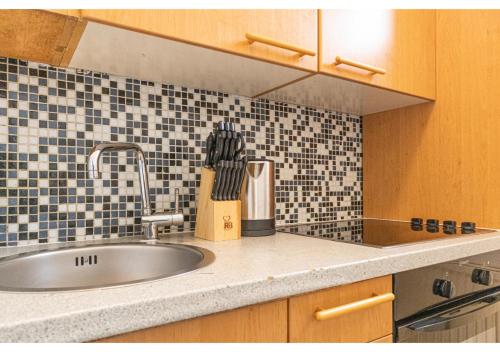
[
  {"x": 266, "y": 322},
  {"x": 359, "y": 312}
]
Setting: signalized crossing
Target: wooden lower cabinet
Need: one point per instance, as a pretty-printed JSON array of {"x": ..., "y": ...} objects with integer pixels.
[
  {"x": 356, "y": 323},
  {"x": 358, "y": 312},
  {"x": 266, "y": 322}
]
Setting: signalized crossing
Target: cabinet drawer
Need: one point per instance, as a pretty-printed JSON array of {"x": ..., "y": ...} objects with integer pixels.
[
  {"x": 287, "y": 37},
  {"x": 265, "y": 322},
  {"x": 359, "y": 312}
]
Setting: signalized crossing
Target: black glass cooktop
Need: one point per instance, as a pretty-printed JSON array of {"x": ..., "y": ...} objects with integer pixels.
[{"x": 384, "y": 233}]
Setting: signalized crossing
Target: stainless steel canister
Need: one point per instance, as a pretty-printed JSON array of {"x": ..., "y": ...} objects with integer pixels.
[{"x": 257, "y": 199}]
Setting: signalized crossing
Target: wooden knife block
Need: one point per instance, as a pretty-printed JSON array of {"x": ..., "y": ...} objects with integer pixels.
[{"x": 216, "y": 220}]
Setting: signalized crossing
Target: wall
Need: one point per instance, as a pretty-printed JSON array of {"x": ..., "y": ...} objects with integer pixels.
[
  {"x": 441, "y": 159},
  {"x": 50, "y": 118}
]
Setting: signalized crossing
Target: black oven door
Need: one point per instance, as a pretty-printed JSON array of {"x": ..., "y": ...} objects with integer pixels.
[{"x": 469, "y": 318}]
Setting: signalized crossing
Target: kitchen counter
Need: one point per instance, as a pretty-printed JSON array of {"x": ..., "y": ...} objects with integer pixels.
[{"x": 245, "y": 272}]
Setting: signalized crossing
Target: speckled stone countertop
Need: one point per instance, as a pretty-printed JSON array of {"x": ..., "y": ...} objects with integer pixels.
[{"x": 245, "y": 272}]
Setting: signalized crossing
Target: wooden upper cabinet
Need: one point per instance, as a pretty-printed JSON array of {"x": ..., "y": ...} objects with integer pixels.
[
  {"x": 229, "y": 30},
  {"x": 401, "y": 42},
  {"x": 43, "y": 36}
]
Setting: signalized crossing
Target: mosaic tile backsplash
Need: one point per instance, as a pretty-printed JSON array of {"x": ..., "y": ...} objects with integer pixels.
[{"x": 50, "y": 118}]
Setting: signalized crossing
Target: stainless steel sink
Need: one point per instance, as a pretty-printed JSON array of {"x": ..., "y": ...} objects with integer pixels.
[{"x": 99, "y": 266}]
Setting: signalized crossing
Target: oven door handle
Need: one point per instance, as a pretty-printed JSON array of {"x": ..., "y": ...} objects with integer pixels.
[{"x": 460, "y": 315}]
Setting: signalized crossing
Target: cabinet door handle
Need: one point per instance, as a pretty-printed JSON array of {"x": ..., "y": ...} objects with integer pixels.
[
  {"x": 269, "y": 41},
  {"x": 342, "y": 60},
  {"x": 353, "y": 307}
]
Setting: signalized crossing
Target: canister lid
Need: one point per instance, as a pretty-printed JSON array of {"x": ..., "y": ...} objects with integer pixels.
[{"x": 260, "y": 159}]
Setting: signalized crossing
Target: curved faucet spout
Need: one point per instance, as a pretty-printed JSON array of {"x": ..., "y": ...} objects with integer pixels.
[{"x": 94, "y": 168}]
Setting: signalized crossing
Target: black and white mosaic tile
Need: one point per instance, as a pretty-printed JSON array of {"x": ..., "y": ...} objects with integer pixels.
[{"x": 50, "y": 118}]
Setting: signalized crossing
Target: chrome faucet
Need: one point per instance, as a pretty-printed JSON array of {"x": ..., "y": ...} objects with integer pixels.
[{"x": 150, "y": 221}]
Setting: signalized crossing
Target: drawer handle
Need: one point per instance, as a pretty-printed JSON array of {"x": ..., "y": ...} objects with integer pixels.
[
  {"x": 336, "y": 312},
  {"x": 269, "y": 41},
  {"x": 341, "y": 60}
]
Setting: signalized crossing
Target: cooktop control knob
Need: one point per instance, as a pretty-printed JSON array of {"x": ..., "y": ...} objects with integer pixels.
[
  {"x": 468, "y": 227},
  {"x": 432, "y": 225},
  {"x": 417, "y": 221},
  {"x": 443, "y": 288},
  {"x": 482, "y": 277},
  {"x": 417, "y": 224},
  {"x": 450, "y": 227}
]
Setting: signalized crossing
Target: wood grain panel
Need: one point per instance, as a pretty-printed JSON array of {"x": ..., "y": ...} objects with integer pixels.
[
  {"x": 67, "y": 12},
  {"x": 36, "y": 35},
  {"x": 362, "y": 326},
  {"x": 266, "y": 322},
  {"x": 225, "y": 30},
  {"x": 440, "y": 159},
  {"x": 385, "y": 339},
  {"x": 400, "y": 41},
  {"x": 73, "y": 42}
]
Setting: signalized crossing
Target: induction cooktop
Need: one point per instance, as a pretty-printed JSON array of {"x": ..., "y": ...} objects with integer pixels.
[{"x": 385, "y": 233}]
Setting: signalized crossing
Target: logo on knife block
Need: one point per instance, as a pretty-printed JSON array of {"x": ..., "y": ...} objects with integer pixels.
[{"x": 228, "y": 225}]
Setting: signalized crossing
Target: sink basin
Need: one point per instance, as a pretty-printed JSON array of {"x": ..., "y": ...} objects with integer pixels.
[{"x": 100, "y": 265}]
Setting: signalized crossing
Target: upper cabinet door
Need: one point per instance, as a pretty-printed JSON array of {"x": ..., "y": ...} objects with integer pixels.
[
  {"x": 286, "y": 37},
  {"x": 394, "y": 49}
]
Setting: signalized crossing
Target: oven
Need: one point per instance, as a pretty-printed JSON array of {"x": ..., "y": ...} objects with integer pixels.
[{"x": 457, "y": 301}]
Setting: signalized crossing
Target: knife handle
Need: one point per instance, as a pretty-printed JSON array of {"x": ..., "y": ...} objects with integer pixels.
[
  {"x": 235, "y": 180},
  {"x": 242, "y": 176},
  {"x": 227, "y": 141},
  {"x": 241, "y": 142},
  {"x": 210, "y": 142},
  {"x": 230, "y": 180},
  {"x": 221, "y": 126},
  {"x": 223, "y": 180},
  {"x": 219, "y": 147},
  {"x": 217, "y": 181},
  {"x": 232, "y": 146}
]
